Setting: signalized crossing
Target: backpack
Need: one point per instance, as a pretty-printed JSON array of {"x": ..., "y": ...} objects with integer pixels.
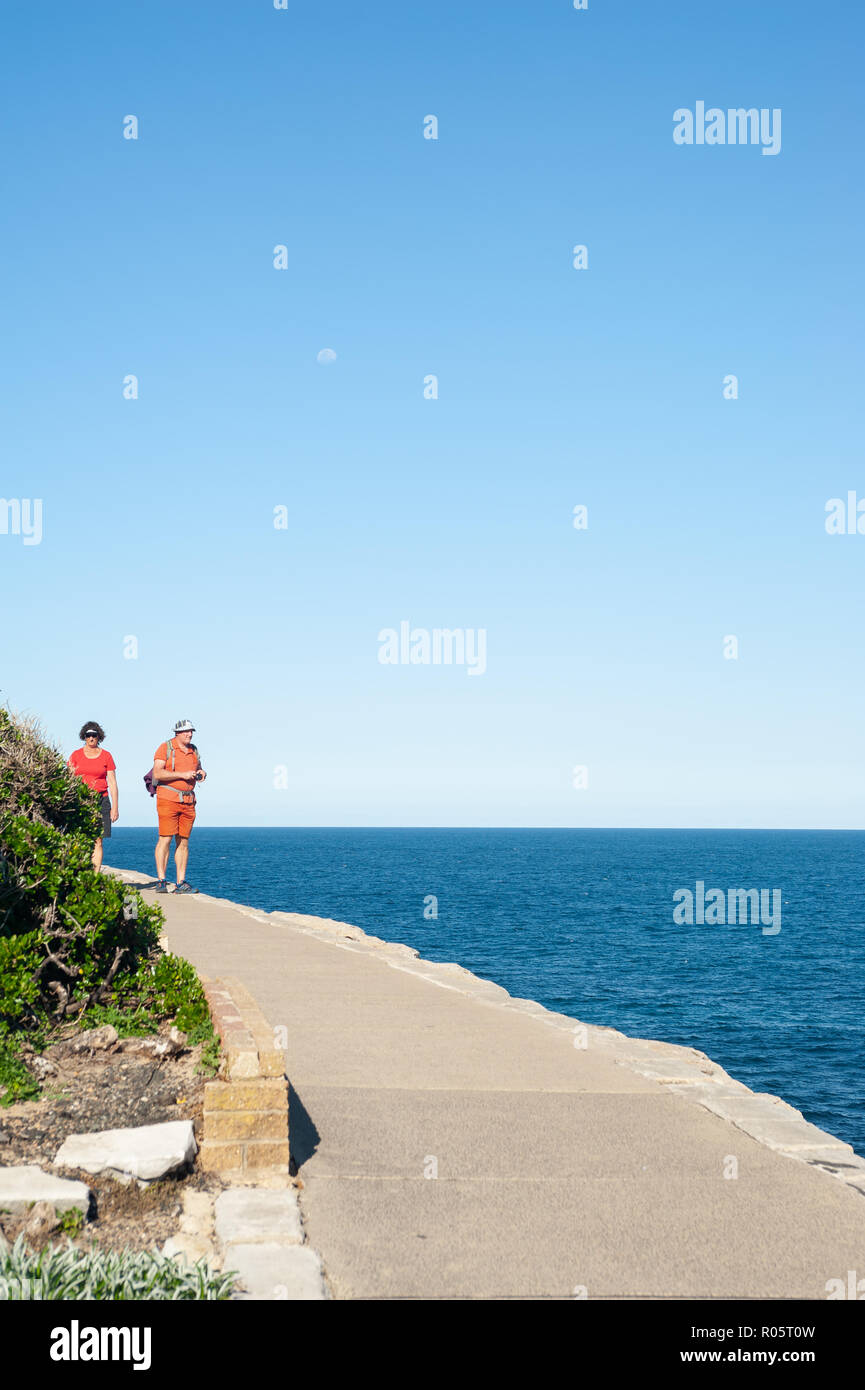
[{"x": 169, "y": 763}]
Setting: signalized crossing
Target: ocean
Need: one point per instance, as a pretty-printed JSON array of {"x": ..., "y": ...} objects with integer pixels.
[{"x": 583, "y": 922}]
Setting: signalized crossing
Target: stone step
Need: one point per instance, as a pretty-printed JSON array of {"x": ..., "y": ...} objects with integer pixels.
[{"x": 21, "y": 1187}]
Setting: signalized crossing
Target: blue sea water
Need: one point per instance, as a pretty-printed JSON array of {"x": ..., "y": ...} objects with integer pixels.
[{"x": 582, "y": 921}]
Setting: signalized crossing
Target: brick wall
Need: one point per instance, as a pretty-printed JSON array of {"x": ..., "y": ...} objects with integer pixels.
[{"x": 246, "y": 1109}]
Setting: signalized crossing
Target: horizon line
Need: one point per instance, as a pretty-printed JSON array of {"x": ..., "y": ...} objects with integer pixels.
[{"x": 684, "y": 829}]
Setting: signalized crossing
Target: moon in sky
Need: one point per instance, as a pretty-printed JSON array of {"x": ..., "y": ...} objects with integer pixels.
[{"x": 326, "y": 355}]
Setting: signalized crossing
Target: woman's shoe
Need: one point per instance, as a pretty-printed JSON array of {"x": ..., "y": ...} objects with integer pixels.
[
  {"x": 161, "y": 886},
  {"x": 184, "y": 887}
]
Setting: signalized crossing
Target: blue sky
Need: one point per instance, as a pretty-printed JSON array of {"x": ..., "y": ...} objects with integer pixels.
[{"x": 557, "y": 387}]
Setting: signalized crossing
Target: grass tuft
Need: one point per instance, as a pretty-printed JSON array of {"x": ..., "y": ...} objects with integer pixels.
[{"x": 123, "y": 1276}]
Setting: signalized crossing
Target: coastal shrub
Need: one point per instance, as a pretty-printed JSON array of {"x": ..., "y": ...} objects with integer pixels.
[
  {"x": 76, "y": 947},
  {"x": 16, "y": 1082},
  {"x": 181, "y": 995},
  {"x": 69, "y": 1273},
  {"x": 129, "y": 1017},
  {"x": 19, "y": 991},
  {"x": 164, "y": 989},
  {"x": 67, "y": 934},
  {"x": 35, "y": 782}
]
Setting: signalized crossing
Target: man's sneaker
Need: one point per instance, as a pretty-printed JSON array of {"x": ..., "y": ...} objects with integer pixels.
[
  {"x": 161, "y": 886},
  {"x": 184, "y": 887}
]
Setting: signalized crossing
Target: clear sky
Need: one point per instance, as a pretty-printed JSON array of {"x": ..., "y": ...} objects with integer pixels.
[{"x": 409, "y": 257}]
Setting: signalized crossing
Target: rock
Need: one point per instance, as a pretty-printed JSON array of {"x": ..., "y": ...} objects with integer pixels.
[
  {"x": 4, "y": 1137},
  {"x": 20, "y": 1187},
  {"x": 42, "y": 1067},
  {"x": 41, "y": 1221},
  {"x": 141, "y": 1047},
  {"x": 95, "y": 1040},
  {"x": 276, "y": 1271},
  {"x": 146, "y": 1153},
  {"x": 154, "y": 1047},
  {"x": 249, "y": 1216}
]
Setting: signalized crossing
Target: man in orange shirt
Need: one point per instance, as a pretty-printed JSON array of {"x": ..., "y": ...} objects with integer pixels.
[{"x": 176, "y": 769}]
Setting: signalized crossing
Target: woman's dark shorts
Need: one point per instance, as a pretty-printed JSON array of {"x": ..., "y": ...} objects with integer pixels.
[{"x": 106, "y": 817}]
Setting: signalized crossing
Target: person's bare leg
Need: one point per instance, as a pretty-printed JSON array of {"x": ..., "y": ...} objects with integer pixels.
[
  {"x": 181, "y": 856},
  {"x": 97, "y": 854},
  {"x": 163, "y": 844}
]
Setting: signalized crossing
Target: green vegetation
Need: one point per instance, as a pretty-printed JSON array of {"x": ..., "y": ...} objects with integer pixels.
[
  {"x": 163, "y": 987},
  {"x": 76, "y": 947},
  {"x": 72, "y": 1221},
  {"x": 210, "y": 1056},
  {"x": 66, "y": 932},
  {"x": 57, "y": 1273},
  {"x": 16, "y": 1082}
]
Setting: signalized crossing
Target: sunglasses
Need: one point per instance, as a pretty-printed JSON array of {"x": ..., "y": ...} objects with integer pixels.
[{"x": 91, "y": 735}]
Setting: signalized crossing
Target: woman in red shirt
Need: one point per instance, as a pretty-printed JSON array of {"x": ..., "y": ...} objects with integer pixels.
[{"x": 97, "y": 767}]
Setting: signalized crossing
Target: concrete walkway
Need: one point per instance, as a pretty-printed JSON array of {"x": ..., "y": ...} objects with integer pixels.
[{"x": 457, "y": 1143}]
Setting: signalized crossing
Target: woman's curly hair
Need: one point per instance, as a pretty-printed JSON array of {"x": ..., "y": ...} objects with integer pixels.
[{"x": 91, "y": 724}]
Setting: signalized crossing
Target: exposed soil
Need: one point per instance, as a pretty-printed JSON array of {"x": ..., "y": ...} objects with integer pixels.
[{"x": 107, "y": 1089}]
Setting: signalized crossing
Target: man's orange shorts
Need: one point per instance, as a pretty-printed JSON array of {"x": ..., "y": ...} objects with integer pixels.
[{"x": 175, "y": 817}]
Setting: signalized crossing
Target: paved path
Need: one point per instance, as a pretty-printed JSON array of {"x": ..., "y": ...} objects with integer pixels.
[{"x": 455, "y": 1143}]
